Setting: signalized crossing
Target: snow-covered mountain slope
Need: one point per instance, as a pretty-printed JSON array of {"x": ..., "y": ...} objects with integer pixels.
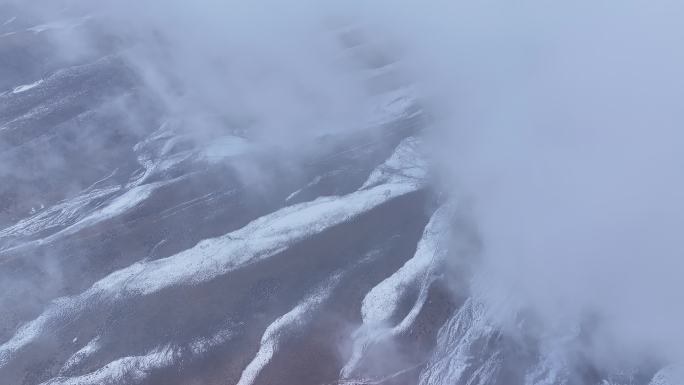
[
  {"x": 132, "y": 251},
  {"x": 142, "y": 244},
  {"x": 268, "y": 237}
]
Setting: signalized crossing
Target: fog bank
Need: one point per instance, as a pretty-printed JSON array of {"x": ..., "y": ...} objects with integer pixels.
[{"x": 563, "y": 130}]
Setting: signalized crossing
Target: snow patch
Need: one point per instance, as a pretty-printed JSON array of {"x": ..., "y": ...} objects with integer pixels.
[
  {"x": 406, "y": 164},
  {"x": 314, "y": 182},
  {"x": 26, "y": 87},
  {"x": 137, "y": 368},
  {"x": 202, "y": 345},
  {"x": 463, "y": 354},
  {"x": 670, "y": 375},
  {"x": 62, "y": 214},
  {"x": 271, "y": 338},
  {"x": 124, "y": 202},
  {"x": 382, "y": 301},
  {"x": 117, "y": 206},
  {"x": 128, "y": 370},
  {"x": 77, "y": 358},
  {"x": 154, "y": 153}
]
